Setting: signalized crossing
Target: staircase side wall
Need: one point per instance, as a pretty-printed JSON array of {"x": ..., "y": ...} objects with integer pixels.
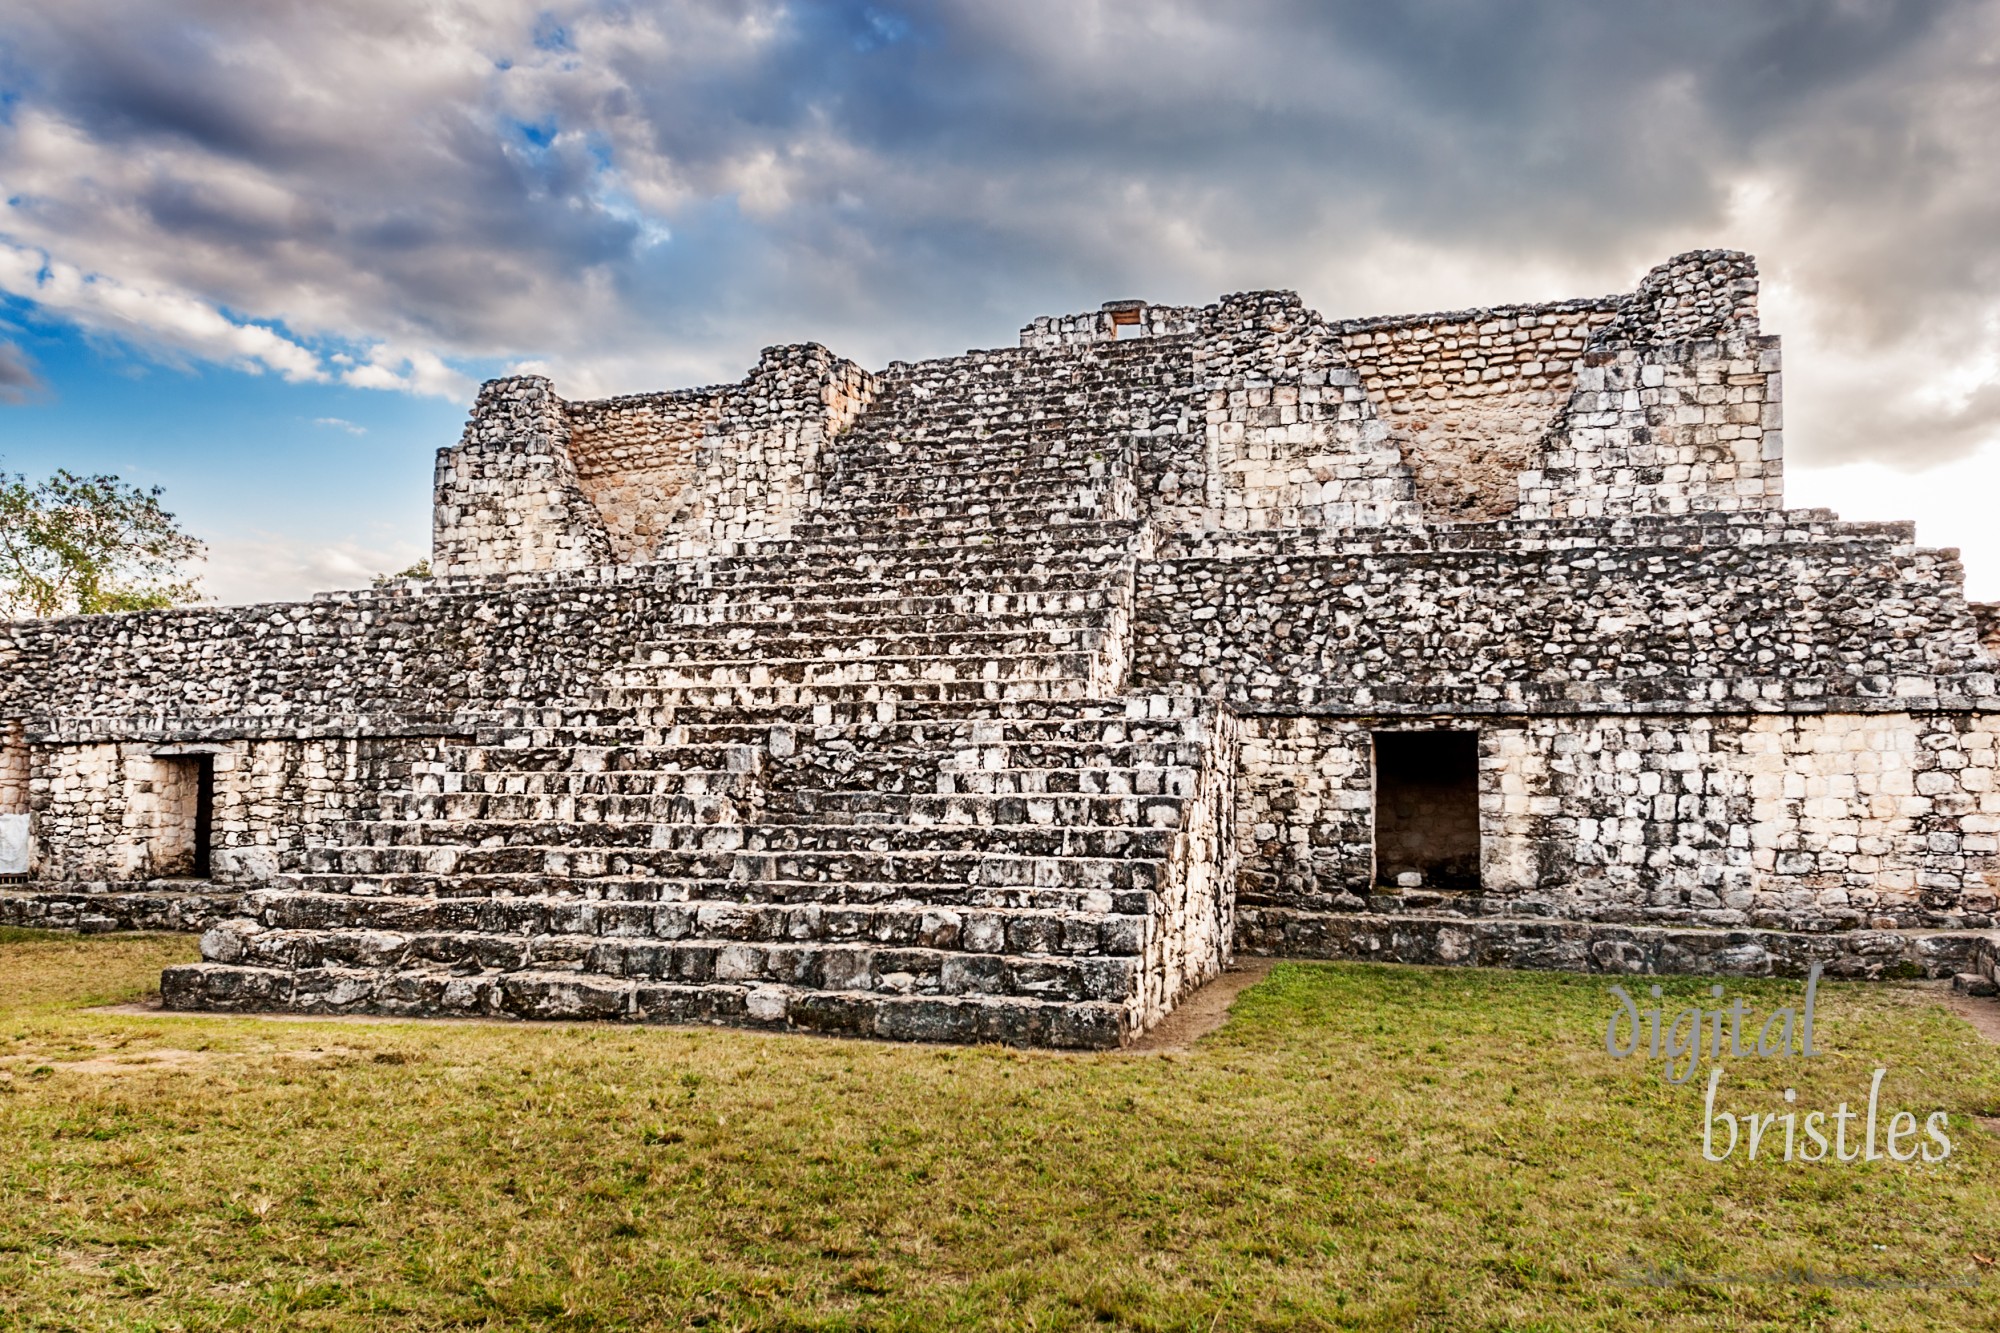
[{"x": 1196, "y": 929}]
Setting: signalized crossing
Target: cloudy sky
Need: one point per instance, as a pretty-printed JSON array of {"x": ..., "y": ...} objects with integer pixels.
[{"x": 261, "y": 253}]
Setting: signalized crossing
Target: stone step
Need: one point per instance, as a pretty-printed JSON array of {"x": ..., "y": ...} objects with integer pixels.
[
  {"x": 868, "y": 589},
  {"x": 963, "y": 517},
  {"x": 892, "y": 606},
  {"x": 626, "y": 704},
  {"x": 827, "y": 704},
  {"x": 771, "y": 634},
  {"x": 490, "y": 847},
  {"x": 859, "y": 965},
  {"x": 867, "y": 534},
  {"x": 1070, "y": 810},
  {"x": 580, "y": 727},
  {"x": 984, "y": 486},
  {"x": 782, "y": 791},
  {"x": 1445, "y": 939},
  {"x": 433, "y": 869},
  {"x": 850, "y": 754},
  {"x": 101, "y": 906},
  {"x": 1064, "y": 929},
  {"x": 1081, "y": 542},
  {"x": 847, "y": 643},
  {"x": 498, "y": 900},
  {"x": 694, "y": 785},
  {"x": 1012, "y": 1020},
  {"x": 1156, "y": 819},
  {"x": 1026, "y": 666},
  {"x": 675, "y": 808}
]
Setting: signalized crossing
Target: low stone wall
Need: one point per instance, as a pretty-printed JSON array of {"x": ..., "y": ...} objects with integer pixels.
[
  {"x": 170, "y": 905},
  {"x": 1588, "y": 946}
]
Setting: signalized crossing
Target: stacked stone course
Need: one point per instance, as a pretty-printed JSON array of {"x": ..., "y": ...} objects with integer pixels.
[{"x": 1000, "y": 697}]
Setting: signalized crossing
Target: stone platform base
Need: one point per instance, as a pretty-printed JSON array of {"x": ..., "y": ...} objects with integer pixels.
[
  {"x": 184, "y": 905},
  {"x": 1553, "y": 944},
  {"x": 1012, "y": 1020}
]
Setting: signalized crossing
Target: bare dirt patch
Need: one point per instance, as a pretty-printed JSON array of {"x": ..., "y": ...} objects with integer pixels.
[
  {"x": 1204, "y": 1011},
  {"x": 1982, "y": 1013}
]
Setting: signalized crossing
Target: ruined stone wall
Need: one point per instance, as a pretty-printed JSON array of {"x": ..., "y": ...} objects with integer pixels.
[
  {"x": 1987, "y": 616},
  {"x": 1770, "y": 610},
  {"x": 1289, "y": 437},
  {"x": 1798, "y": 822},
  {"x": 1677, "y": 407},
  {"x": 507, "y": 498},
  {"x": 761, "y": 465},
  {"x": 539, "y": 484},
  {"x": 636, "y": 458},
  {"x": 404, "y": 658},
  {"x": 1115, "y": 320},
  {"x": 123, "y": 810},
  {"x": 1469, "y": 397}
]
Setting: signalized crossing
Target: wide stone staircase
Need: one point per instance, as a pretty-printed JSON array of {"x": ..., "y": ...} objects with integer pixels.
[{"x": 879, "y": 779}]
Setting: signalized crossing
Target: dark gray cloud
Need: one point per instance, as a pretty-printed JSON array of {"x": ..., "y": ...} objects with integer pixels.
[
  {"x": 18, "y": 380},
  {"x": 643, "y": 193}
]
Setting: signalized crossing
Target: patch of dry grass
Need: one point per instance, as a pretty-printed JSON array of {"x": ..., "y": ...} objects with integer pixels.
[{"x": 1364, "y": 1147}]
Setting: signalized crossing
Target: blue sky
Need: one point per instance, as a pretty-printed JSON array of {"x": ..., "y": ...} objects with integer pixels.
[{"x": 261, "y": 255}]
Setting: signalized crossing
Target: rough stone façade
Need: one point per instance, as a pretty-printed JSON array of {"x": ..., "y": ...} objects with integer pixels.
[{"x": 1000, "y": 697}]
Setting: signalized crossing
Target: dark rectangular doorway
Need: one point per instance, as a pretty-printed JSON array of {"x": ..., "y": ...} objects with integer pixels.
[
  {"x": 1427, "y": 809},
  {"x": 185, "y": 818},
  {"x": 204, "y": 812}
]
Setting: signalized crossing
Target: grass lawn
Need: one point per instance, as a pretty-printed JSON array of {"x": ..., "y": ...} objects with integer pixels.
[{"x": 1366, "y": 1147}]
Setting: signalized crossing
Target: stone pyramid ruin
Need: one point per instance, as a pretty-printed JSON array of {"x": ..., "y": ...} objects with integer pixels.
[{"x": 1001, "y": 697}]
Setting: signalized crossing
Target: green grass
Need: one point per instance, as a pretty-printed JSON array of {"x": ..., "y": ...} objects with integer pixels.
[{"x": 1365, "y": 1147}]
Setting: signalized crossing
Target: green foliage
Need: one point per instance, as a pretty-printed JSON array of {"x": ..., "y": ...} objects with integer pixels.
[
  {"x": 420, "y": 570},
  {"x": 76, "y": 545}
]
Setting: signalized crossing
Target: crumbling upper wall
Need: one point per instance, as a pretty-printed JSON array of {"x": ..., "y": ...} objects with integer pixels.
[
  {"x": 540, "y": 483},
  {"x": 1289, "y": 438},
  {"x": 1469, "y": 396},
  {"x": 635, "y": 458},
  {"x": 508, "y": 497},
  {"x": 1108, "y": 323},
  {"x": 1676, "y": 407},
  {"x": 1987, "y": 616},
  {"x": 760, "y": 464}
]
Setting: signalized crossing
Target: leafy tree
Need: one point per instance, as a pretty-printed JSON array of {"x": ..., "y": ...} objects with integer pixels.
[
  {"x": 420, "y": 570},
  {"x": 81, "y": 545}
]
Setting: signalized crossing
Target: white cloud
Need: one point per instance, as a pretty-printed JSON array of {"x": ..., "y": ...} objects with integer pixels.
[
  {"x": 168, "y": 320},
  {"x": 270, "y": 567},
  {"x": 417, "y": 371},
  {"x": 339, "y": 423}
]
